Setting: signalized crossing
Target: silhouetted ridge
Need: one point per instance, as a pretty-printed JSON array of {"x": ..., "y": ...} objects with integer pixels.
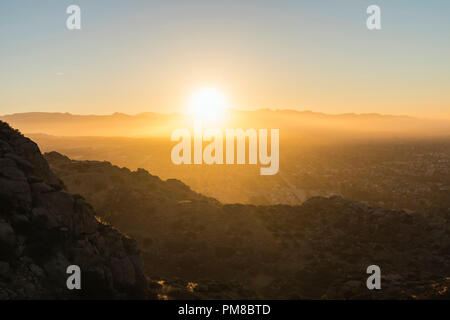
[
  {"x": 320, "y": 249},
  {"x": 44, "y": 229}
]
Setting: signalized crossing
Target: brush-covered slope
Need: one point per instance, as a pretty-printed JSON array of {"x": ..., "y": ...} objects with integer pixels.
[
  {"x": 320, "y": 249},
  {"x": 44, "y": 229}
]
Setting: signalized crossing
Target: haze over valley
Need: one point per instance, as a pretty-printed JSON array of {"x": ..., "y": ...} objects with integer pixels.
[{"x": 397, "y": 162}]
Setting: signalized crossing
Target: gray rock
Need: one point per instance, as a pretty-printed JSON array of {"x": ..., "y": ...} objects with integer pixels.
[
  {"x": 7, "y": 236},
  {"x": 123, "y": 271},
  {"x": 4, "y": 268},
  {"x": 11, "y": 172},
  {"x": 20, "y": 161},
  {"x": 37, "y": 270}
]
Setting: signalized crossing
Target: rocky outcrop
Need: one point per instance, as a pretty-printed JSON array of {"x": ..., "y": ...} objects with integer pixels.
[{"x": 44, "y": 229}]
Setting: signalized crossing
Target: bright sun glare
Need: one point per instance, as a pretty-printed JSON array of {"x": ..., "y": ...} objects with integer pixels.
[{"x": 207, "y": 104}]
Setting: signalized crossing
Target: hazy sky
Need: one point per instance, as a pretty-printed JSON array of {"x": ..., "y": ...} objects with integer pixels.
[{"x": 134, "y": 56}]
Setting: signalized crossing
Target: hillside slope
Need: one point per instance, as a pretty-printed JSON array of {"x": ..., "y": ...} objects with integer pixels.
[
  {"x": 320, "y": 249},
  {"x": 44, "y": 229}
]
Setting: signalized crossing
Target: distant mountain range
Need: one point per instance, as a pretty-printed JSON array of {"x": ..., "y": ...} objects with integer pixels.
[{"x": 161, "y": 125}]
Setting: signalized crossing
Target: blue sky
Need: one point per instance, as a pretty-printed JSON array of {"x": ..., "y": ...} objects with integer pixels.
[{"x": 135, "y": 56}]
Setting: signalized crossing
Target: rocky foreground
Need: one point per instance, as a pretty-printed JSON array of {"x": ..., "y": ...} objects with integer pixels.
[
  {"x": 200, "y": 248},
  {"x": 194, "y": 247},
  {"x": 44, "y": 229}
]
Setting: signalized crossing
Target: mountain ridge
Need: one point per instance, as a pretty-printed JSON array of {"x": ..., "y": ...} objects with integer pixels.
[
  {"x": 291, "y": 122},
  {"x": 147, "y": 114}
]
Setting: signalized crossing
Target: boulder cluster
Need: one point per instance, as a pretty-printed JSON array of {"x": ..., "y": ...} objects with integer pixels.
[{"x": 44, "y": 229}]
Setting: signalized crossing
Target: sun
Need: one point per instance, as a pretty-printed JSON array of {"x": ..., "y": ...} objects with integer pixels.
[{"x": 207, "y": 103}]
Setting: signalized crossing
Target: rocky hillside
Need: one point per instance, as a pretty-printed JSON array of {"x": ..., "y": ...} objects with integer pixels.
[
  {"x": 114, "y": 191},
  {"x": 320, "y": 249},
  {"x": 44, "y": 229}
]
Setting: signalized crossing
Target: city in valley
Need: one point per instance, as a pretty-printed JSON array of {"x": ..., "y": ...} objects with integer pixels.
[{"x": 215, "y": 151}]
